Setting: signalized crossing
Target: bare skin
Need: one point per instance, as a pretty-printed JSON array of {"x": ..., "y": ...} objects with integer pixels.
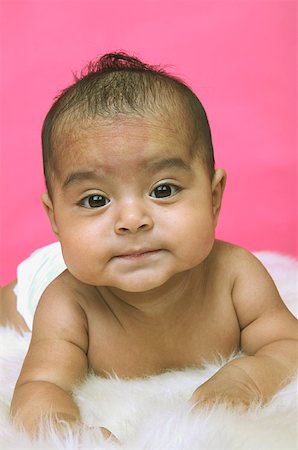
[
  {"x": 100, "y": 331},
  {"x": 147, "y": 287}
]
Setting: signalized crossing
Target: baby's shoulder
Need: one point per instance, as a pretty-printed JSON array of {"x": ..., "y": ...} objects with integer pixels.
[
  {"x": 59, "y": 312},
  {"x": 63, "y": 285},
  {"x": 62, "y": 298},
  {"x": 250, "y": 278},
  {"x": 66, "y": 285},
  {"x": 225, "y": 252},
  {"x": 233, "y": 259}
]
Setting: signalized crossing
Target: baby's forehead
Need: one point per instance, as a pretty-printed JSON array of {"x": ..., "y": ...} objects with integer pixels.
[
  {"x": 130, "y": 141},
  {"x": 158, "y": 126}
]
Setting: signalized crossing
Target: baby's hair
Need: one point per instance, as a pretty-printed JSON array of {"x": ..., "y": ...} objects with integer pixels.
[{"x": 121, "y": 85}]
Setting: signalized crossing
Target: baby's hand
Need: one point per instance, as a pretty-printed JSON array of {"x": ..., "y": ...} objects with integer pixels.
[
  {"x": 62, "y": 428},
  {"x": 229, "y": 386}
]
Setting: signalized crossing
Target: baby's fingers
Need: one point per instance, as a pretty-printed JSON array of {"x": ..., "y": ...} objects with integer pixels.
[
  {"x": 109, "y": 435},
  {"x": 210, "y": 400},
  {"x": 202, "y": 401}
]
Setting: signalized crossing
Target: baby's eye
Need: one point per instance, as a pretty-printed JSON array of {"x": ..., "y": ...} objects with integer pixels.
[
  {"x": 164, "y": 190},
  {"x": 94, "y": 201}
]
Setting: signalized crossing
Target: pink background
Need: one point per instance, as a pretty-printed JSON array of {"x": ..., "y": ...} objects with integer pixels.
[{"x": 238, "y": 56}]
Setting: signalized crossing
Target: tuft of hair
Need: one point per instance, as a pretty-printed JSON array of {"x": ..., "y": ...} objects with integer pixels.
[{"x": 119, "y": 84}]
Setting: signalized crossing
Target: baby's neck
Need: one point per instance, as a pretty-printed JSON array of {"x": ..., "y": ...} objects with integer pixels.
[{"x": 171, "y": 298}]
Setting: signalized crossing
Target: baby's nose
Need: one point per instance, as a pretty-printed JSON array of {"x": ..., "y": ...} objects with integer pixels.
[{"x": 133, "y": 217}]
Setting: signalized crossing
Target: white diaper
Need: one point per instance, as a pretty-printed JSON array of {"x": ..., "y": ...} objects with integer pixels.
[{"x": 34, "y": 275}]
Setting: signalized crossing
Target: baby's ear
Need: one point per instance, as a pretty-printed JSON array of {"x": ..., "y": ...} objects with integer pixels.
[
  {"x": 49, "y": 209},
  {"x": 218, "y": 186}
]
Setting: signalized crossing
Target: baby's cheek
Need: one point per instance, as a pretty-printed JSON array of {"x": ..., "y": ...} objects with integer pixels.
[
  {"x": 198, "y": 243},
  {"x": 85, "y": 270},
  {"x": 78, "y": 257}
]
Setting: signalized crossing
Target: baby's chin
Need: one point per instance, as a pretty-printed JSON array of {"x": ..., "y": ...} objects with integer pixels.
[
  {"x": 140, "y": 278},
  {"x": 138, "y": 285},
  {"x": 127, "y": 283}
]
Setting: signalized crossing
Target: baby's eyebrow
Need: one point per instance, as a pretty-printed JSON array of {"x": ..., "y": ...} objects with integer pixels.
[
  {"x": 76, "y": 177},
  {"x": 168, "y": 163},
  {"x": 151, "y": 166}
]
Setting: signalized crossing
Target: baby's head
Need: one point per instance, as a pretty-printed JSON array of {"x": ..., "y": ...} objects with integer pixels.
[
  {"x": 133, "y": 195},
  {"x": 118, "y": 86}
]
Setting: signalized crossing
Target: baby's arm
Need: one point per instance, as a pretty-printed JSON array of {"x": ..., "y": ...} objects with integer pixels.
[
  {"x": 268, "y": 337},
  {"x": 56, "y": 360}
]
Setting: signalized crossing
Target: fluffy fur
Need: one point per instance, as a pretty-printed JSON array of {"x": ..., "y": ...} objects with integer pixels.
[{"x": 154, "y": 413}]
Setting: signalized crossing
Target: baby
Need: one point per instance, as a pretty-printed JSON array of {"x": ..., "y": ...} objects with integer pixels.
[{"x": 134, "y": 199}]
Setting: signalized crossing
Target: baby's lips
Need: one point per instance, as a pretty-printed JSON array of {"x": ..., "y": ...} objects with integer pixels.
[{"x": 138, "y": 252}]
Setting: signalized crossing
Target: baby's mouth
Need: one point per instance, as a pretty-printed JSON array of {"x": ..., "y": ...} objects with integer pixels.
[{"x": 138, "y": 254}]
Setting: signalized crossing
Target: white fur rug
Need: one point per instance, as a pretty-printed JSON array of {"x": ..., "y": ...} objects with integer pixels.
[{"x": 153, "y": 413}]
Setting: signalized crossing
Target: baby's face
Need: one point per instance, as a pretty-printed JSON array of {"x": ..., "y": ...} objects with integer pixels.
[{"x": 131, "y": 208}]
